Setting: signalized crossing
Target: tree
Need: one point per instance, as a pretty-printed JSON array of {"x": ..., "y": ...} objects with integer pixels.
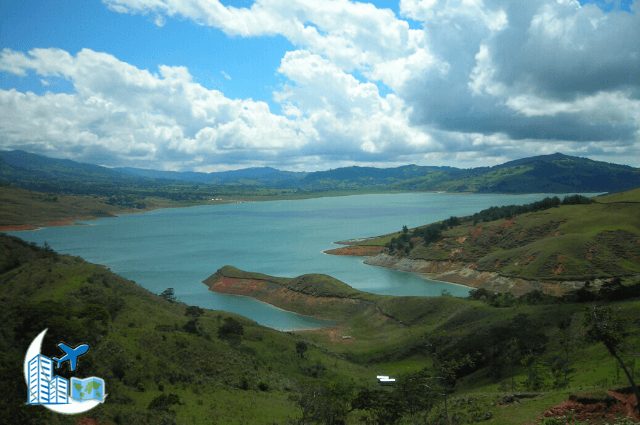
[
  {"x": 511, "y": 354},
  {"x": 168, "y": 295},
  {"x": 601, "y": 324},
  {"x": 301, "y": 348},
  {"x": 445, "y": 368},
  {"x": 231, "y": 329},
  {"x": 193, "y": 313},
  {"x": 382, "y": 407},
  {"x": 538, "y": 373}
]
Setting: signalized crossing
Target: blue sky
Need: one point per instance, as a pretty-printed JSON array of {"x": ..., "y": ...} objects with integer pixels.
[{"x": 306, "y": 85}]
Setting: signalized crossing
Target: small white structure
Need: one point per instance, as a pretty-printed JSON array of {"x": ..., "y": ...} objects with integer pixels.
[{"x": 385, "y": 380}]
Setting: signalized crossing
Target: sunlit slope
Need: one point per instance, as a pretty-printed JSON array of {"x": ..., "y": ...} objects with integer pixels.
[
  {"x": 141, "y": 348},
  {"x": 20, "y": 206},
  {"x": 570, "y": 242},
  {"x": 556, "y": 173}
]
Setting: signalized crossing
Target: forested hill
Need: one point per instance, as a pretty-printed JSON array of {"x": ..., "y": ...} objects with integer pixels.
[{"x": 555, "y": 173}]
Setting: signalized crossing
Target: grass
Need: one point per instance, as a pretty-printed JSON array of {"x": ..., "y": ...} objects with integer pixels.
[
  {"x": 142, "y": 349},
  {"x": 21, "y": 206}
]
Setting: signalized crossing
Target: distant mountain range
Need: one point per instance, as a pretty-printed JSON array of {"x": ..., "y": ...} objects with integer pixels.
[{"x": 556, "y": 173}]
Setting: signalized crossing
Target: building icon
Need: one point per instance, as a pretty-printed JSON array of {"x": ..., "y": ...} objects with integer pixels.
[
  {"x": 44, "y": 387},
  {"x": 60, "y": 390}
]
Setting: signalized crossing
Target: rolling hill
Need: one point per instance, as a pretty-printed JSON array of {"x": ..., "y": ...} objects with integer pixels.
[{"x": 555, "y": 173}]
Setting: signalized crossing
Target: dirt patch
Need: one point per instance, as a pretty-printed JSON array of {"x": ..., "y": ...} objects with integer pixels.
[
  {"x": 17, "y": 227},
  {"x": 60, "y": 223},
  {"x": 507, "y": 224},
  {"x": 596, "y": 408},
  {"x": 562, "y": 257},
  {"x": 234, "y": 286},
  {"x": 335, "y": 334},
  {"x": 356, "y": 251},
  {"x": 475, "y": 233},
  {"x": 559, "y": 270},
  {"x": 86, "y": 421}
]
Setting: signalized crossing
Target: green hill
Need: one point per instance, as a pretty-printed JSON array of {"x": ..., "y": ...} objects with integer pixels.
[
  {"x": 579, "y": 242},
  {"x": 555, "y": 173},
  {"x": 166, "y": 363}
]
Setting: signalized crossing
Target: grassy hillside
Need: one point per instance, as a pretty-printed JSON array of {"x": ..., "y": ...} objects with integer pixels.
[
  {"x": 568, "y": 242},
  {"x": 555, "y": 173},
  {"x": 152, "y": 352},
  {"x": 140, "y": 347}
]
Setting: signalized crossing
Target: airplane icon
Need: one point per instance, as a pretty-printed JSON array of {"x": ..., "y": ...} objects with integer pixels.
[{"x": 71, "y": 355}]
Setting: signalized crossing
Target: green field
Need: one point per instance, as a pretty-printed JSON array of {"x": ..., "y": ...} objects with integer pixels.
[{"x": 144, "y": 349}]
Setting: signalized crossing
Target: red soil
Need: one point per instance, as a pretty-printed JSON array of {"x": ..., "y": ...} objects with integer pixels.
[
  {"x": 231, "y": 285},
  {"x": 86, "y": 421},
  {"x": 17, "y": 227},
  {"x": 356, "y": 251},
  {"x": 596, "y": 413},
  {"x": 559, "y": 270}
]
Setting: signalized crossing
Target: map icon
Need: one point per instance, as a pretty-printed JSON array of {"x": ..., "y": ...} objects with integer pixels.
[{"x": 87, "y": 389}]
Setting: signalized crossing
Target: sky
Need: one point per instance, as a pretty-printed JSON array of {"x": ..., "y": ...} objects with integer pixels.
[{"x": 307, "y": 85}]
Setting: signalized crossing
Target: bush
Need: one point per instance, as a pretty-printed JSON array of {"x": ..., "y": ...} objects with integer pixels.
[
  {"x": 231, "y": 327},
  {"x": 163, "y": 402}
]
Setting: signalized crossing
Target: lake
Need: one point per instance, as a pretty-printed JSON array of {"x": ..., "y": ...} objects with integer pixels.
[{"x": 179, "y": 248}]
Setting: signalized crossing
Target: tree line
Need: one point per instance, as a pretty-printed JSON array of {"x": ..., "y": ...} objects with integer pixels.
[{"x": 433, "y": 232}]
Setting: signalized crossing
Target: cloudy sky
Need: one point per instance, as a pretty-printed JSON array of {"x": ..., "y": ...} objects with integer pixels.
[{"x": 210, "y": 85}]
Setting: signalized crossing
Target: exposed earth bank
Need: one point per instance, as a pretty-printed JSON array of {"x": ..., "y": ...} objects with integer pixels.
[
  {"x": 466, "y": 274},
  {"x": 597, "y": 408},
  {"x": 318, "y": 296}
]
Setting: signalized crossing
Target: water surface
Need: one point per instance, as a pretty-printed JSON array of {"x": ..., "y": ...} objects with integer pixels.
[{"x": 179, "y": 248}]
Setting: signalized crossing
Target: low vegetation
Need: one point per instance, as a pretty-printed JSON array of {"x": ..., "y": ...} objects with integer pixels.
[
  {"x": 574, "y": 239},
  {"x": 165, "y": 362},
  {"x": 490, "y": 357}
]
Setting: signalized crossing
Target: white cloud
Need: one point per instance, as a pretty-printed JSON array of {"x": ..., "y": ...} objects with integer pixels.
[
  {"x": 351, "y": 35},
  {"x": 136, "y": 117},
  {"x": 132, "y": 113},
  {"x": 483, "y": 80},
  {"x": 225, "y": 75},
  {"x": 160, "y": 21}
]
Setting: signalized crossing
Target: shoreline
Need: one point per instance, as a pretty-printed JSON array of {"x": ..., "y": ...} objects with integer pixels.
[
  {"x": 465, "y": 275},
  {"x": 71, "y": 221},
  {"x": 274, "y": 306}
]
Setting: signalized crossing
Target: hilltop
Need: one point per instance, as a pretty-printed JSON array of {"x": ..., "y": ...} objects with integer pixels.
[
  {"x": 32, "y": 184},
  {"x": 556, "y": 173},
  {"x": 554, "y": 248}
]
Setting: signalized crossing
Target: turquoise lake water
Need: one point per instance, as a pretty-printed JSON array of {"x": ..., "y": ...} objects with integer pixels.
[{"x": 179, "y": 248}]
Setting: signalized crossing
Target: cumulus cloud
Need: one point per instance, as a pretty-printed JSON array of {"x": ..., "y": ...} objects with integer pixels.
[
  {"x": 550, "y": 71},
  {"x": 351, "y": 35},
  {"x": 482, "y": 81},
  {"x": 123, "y": 115},
  {"x": 138, "y": 116}
]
